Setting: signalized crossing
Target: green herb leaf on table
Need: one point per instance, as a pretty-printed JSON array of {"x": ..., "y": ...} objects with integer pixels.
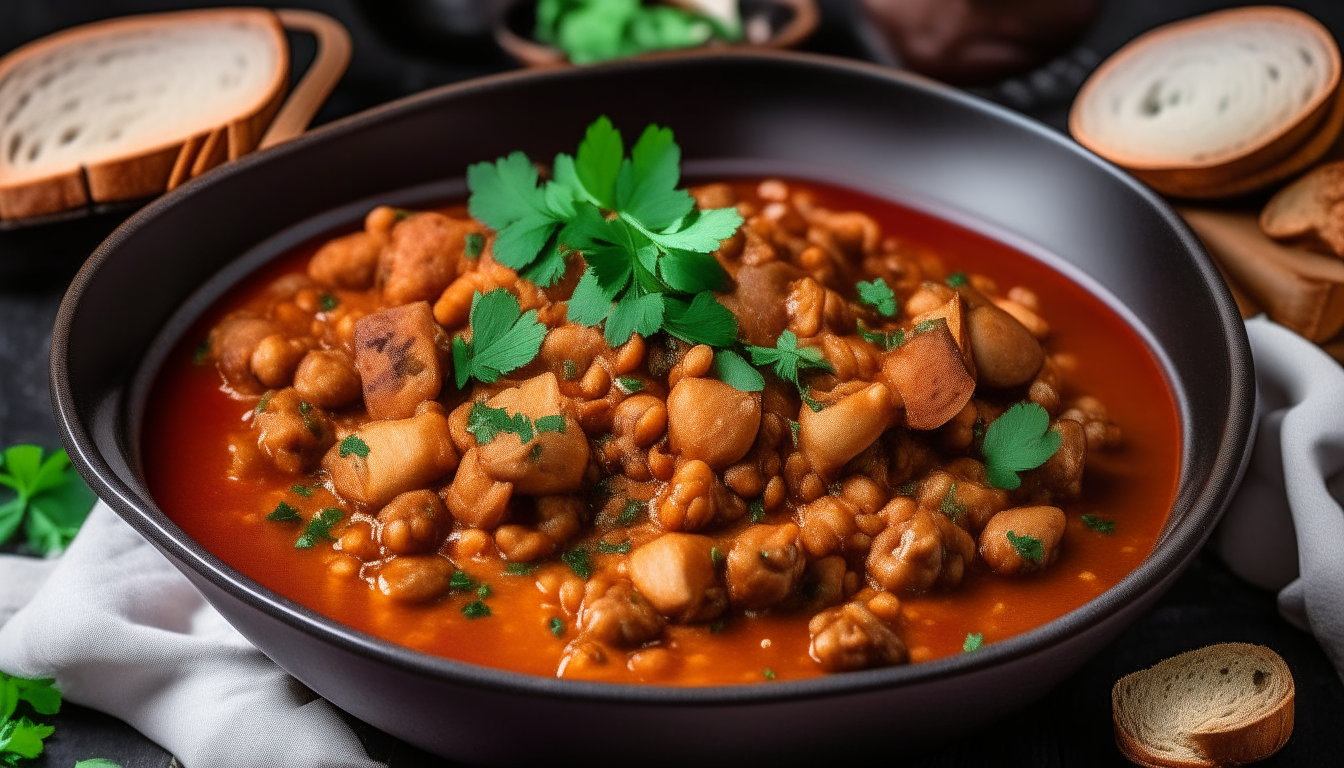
[
  {"x": 973, "y": 642},
  {"x": 878, "y": 295},
  {"x": 20, "y": 737},
  {"x": 503, "y": 339},
  {"x": 319, "y": 528},
  {"x": 589, "y": 31},
  {"x": 97, "y": 762},
  {"x": 50, "y": 500},
  {"x": 1029, "y": 548},
  {"x": 1099, "y": 524},
  {"x": 1019, "y": 440}
]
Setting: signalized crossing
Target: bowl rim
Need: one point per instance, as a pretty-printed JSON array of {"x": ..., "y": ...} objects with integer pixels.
[{"x": 1173, "y": 550}]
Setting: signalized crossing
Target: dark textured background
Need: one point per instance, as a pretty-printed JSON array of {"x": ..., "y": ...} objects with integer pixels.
[{"x": 1070, "y": 727}]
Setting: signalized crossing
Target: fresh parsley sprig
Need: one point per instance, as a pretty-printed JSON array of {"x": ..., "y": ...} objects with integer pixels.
[
  {"x": 1028, "y": 547},
  {"x": 487, "y": 423},
  {"x": 786, "y": 359},
  {"x": 1019, "y": 440},
  {"x": 878, "y": 295},
  {"x": 20, "y": 737},
  {"x": 503, "y": 338},
  {"x": 51, "y": 500}
]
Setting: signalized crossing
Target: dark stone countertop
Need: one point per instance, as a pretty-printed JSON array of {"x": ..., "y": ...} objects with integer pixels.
[{"x": 1071, "y": 726}]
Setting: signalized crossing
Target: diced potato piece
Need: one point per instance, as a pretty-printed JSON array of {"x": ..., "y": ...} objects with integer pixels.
[
  {"x": 403, "y": 455},
  {"x": 834, "y": 435},
  {"x": 675, "y": 573},
  {"x": 549, "y": 463}
]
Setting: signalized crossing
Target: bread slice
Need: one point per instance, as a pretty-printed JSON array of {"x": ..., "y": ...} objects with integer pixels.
[
  {"x": 126, "y": 108},
  {"x": 1310, "y": 211},
  {"x": 1197, "y": 107},
  {"x": 1223, "y": 705}
]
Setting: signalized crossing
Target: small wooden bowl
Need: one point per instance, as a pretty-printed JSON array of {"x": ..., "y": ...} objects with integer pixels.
[{"x": 791, "y": 22}]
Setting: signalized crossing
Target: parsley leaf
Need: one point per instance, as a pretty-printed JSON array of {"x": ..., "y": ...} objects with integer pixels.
[
  {"x": 519, "y": 569},
  {"x": 555, "y": 423},
  {"x": 461, "y": 581},
  {"x": 579, "y": 561},
  {"x": 769, "y": 674},
  {"x": 886, "y": 340},
  {"x": 302, "y": 490},
  {"x": 476, "y": 609},
  {"x": 629, "y": 384},
  {"x": 40, "y": 693},
  {"x": 701, "y": 321},
  {"x": 788, "y": 359},
  {"x": 589, "y": 31},
  {"x": 473, "y": 246},
  {"x": 505, "y": 196},
  {"x": 319, "y": 528},
  {"x": 878, "y": 295},
  {"x": 22, "y": 739},
  {"x": 607, "y": 548},
  {"x": 1019, "y": 440},
  {"x": 50, "y": 500},
  {"x": 503, "y": 338},
  {"x": 284, "y": 513},
  {"x": 202, "y": 353},
  {"x": 353, "y": 444},
  {"x": 557, "y": 626},
  {"x": 956, "y": 279},
  {"x": 327, "y": 302},
  {"x": 1099, "y": 524},
  {"x": 973, "y": 642},
  {"x": 97, "y": 762},
  {"x": 950, "y": 506},
  {"x": 756, "y": 511},
  {"x": 1029, "y": 548},
  {"x": 737, "y": 372}
]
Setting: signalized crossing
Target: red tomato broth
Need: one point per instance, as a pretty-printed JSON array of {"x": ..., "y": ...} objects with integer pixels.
[{"x": 187, "y": 467}]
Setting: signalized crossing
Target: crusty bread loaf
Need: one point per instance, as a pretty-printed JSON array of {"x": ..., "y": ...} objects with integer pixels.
[
  {"x": 1223, "y": 705},
  {"x": 1201, "y": 107},
  {"x": 1310, "y": 211},
  {"x": 130, "y": 107}
]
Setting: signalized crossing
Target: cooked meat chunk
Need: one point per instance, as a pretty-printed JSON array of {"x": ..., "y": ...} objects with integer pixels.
[
  {"x": 758, "y": 301},
  {"x": 349, "y": 261},
  {"x": 615, "y": 614},
  {"x": 474, "y": 497},
  {"x": 689, "y": 504},
  {"x": 414, "y": 522},
  {"x": 920, "y": 549},
  {"x": 712, "y": 421},
  {"x": 828, "y": 526},
  {"x": 291, "y": 432},
  {"x": 842, "y": 430},
  {"x": 963, "y": 493},
  {"x": 399, "y": 354},
  {"x": 764, "y": 564},
  {"x": 675, "y": 572},
  {"x": 1060, "y": 478},
  {"x": 850, "y": 637},
  {"x": 930, "y": 375},
  {"x": 384, "y": 459},
  {"x": 422, "y": 257},
  {"x": 555, "y": 457},
  {"x": 1022, "y": 540},
  {"x": 326, "y": 377}
]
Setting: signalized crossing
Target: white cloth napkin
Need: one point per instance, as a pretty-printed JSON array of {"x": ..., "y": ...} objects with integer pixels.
[
  {"x": 1284, "y": 530},
  {"x": 124, "y": 632}
]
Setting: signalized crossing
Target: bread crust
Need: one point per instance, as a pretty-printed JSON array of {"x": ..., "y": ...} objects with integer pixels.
[
  {"x": 1275, "y": 156},
  {"x": 144, "y": 171},
  {"x": 1308, "y": 211}
]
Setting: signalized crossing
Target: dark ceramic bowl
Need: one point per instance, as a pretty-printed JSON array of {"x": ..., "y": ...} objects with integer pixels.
[{"x": 803, "y": 116}]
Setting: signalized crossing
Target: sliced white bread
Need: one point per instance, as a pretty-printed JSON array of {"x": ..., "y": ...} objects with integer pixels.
[
  {"x": 1199, "y": 107},
  {"x": 1310, "y": 211},
  {"x": 1223, "y": 705},
  {"x": 127, "y": 108}
]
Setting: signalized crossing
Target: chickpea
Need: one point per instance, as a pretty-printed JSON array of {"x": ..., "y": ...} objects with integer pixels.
[
  {"x": 1029, "y": 319},
  {"x": 571, "y": 595},
  {"x": 275, "y": 358},
  {"x": 358, "y": 541},
  {"x": 595, "y": 383},
  {"x": 473, "y": 543},
  {"x": 662, "y": 465},
  {"x": 764, "y": 565},
  {"x": 863, "y": 492},
  {"x": 689, "y": 503},
  {"x": 614, "y": 613},
  {"x": 1022, "y": 540},
  {"x": 291, "y": 432},
  {"x": 643, "y": 418},
  {"x": 774, "y": 493},
  {"x": 694, "y": 364},
  {"x": 745, "y": 479},
  {"x": 327, "y": 378},
  {"x": 712, "y": 421},
  {"x": 415, "y": 579},
  {"x": 414, "y": 522},
  {"x": 804, "y": 305},
  {"x": 828, "y": 523},
  {"x": 630, "y": 355},
  {"x": 885, "y": 606}
]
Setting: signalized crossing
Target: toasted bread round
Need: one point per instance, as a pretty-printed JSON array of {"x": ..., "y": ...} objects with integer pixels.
[
  {"x": 1217, "y": 105},
  {"x": 1222, "y": 705}
]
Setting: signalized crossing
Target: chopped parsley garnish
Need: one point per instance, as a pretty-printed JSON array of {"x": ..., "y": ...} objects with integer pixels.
[
  {"x": 1019, "y": 440},
  {"x": 461, "y": 581},
  {"x": 319, "y": 527},
  {"x": 202, "y": 352},
  {"x": 816, "y": 405},
  {"x": 519, "y": 569},
  {"x": 284, "y": 513},
  {"x": 950, "y": 506},
  {"x": 475, "y": 244},
  {"x": 629, "y": 385},
  {"x": 1029, "y": 548},
  {"x": 614, "y": 549},
  {"x": 503, "y": 338},
  {"x": 1099, "y": 524},
  {"x": 327, "y": 302},
  {"x": 972, "y": 642},
  {"x": 631, "y": 512},
  {"x": 877, "y": 294},
  {"x": 769, "y": 674},
  {"x": 793, "y": 430},
  {"x": 716, "y": 556},
  {"x": 306, "y": 413},
  {"x": 886, "y": 340},
  {"x": 400, "y": 213},
  {"x": 302, "y": 490},
  {"x": 756, "y": 511},
  {"x": 353, "y": 444},
  {"x": 476, "y": 609},
  {"x": 96, "y": 762},
  {"x": 555, "y": 423},
  {"x": 928, "y": 325},
  {"x": 907, "y": 489},
  {"x": 483, "y": 591},
  {"x": 534, "y": 455},
  {"x": 646, "y": 247},
  {"x": 570, "y": 370},
  {"x": 579, "y": 561},
  {"x": 557, "y": 627},
  {"x": 956, "y": 279},
  {"x": 733, "y": 370},
  {"x": 788, "y": 359},
  {"x": 262, "y": 403},
  {"x": 50, "y": 499},
  {"x": 487, "y": 423}
]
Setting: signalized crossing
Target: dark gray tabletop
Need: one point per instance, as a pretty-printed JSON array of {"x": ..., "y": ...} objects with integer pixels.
[{"x": 1069, "y": 727}]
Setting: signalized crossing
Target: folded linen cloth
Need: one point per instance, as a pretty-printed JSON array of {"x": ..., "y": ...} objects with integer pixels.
[
  {"x": 1284, "y": 530},
  {"x": 124, "y": 632}
]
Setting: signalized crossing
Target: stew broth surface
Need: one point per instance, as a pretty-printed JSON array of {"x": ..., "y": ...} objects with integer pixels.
[{"x": 190, "y": 418}]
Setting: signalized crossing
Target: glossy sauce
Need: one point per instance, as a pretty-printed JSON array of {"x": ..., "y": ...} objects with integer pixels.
[{"x": 189, "y": 416}]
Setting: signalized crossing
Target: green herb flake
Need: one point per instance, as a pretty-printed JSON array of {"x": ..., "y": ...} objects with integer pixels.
[
  {"x": 607, "y": 548},
  {"x": 483, "y": 591},
  {"x": 50, "y": 499},
  {"x": 569, "y": 370},
  {"x": 957, "y": 279},
  {"x": 579, "y": 561},
  {"x": 1019, "y": 440},
  {"x": 262, "y": 403},
  {"x": 756, "y": 511},
  {"x": 816, "y": 405},
  {"x": 557, "y": 626},
  {"x": 878, "y": 295},
  {"x": 793, "y": 430},
  {"x": 96, "y": 762},
  {"x": 554, "y": 423},
  {"x": 398, "y": 214},
  {"x": 476, "y": 609},
  {"x": 328, "y": 302},
  {"x": 972, "y": 642},
  {"x": 716, "y": 556},
  {"x": 319, "y": 528},
  {"x": 284, "y": 513},
  {"x": 950, "y": 506},
  {"x": 1029, "y": 548},
  {"x": 885, "y": 340},
  {"x": 306, "y": 413},
  {"x": 716, "y": 626},
  {"x": 519, "y": 569},
  {"x": 352, "y": 444},
  {"x": 1099, "y": 524},
  {"x": 461, "y": 581},
  {"x": 769, "y": 674},
  {"x": 503, "y": 339},
  {"x": 202, "y": 353},
  {"x": 631, "y": 512},
  {"x": 629, "y": 385},
  {"x": 534, "y": 455},
  {"x": 474, "y": 246},
  {"x": 302, "y": 490},
  {"x": 734, "y": 370},
  {"x": 589, "y": 31},
  {"x": 788, "y": 360},
  {"x": 928, "y": 325}
]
